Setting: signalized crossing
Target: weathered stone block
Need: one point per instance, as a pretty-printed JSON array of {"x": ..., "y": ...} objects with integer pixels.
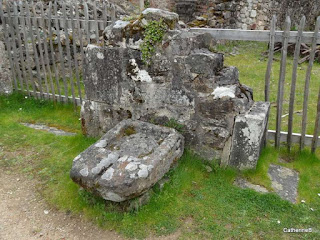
[
  {"x": 205, "y": 62},
  {"x": 248, "y": 137},
  {"x": 97, "y": 118},
  {"x": 116, "y": 32},
  {"x": 228, "y": 76},
  {"x": 128, "y": 160},
  {"x": 104, "y": 78},
  {"x": 170, "y": 18}
]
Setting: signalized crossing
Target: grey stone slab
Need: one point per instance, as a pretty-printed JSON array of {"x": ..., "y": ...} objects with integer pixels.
[
  {"x": 170, "y": 18},
  {"x": 46, "y": 128},
  {"x": 248, "y": 137},
  {"x": 284, "y": 182},
  {"x": 205, "y": 62},
  {"x": 128, "y": 160}
]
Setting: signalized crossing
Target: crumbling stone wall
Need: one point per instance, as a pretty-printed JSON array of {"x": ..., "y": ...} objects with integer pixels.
[
  {"x": 185, "y": 83},
  {"x": 244, "y": 14}
]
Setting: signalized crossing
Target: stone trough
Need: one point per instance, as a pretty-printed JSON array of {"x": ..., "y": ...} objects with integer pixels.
[{"x": 128, "y": 160}]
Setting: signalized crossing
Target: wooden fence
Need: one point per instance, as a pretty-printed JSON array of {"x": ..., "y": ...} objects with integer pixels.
[
  {"x": 286, "y": 37},
  {"x": 45, "y": 44}
]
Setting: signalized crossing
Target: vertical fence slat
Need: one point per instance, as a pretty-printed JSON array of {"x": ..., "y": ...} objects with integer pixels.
[
  {"x": 18, "y": 37},
  {"x": 35, "y": 52},
  {"x": 8, "y": 44},
  {"x": 66, "y": 32},
  {"x": 26, "y": 45},
  {"x": 63, "y": 71},
  {"x": 282, "y": 77},
  {"x": 317, "y": 123},
  {"x": 46, "y": 53},
  {"x": 307, "y": 85},
  {"x": 35, "y": 24},
  {"x": 80, "y": 36},
  {"x": 74, "y": 44},
  {"x": 316, "y": 128},
  {"x": 270, "y": 59},
  {"x": 269, "y": 68},
  {"x": 14, "y": 48},
  {"x": 53, "y": 52},
  {"x": 294, "y": 80},
  {"x": 95, "y": 16},
  {"x": 87, "y": 24}
]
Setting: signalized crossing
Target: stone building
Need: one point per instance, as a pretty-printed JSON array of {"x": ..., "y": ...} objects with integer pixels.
[{"x": 243, "y": 14}]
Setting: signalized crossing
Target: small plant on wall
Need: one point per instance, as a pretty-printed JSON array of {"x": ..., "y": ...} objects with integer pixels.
[{"x": 153, "y": 35}]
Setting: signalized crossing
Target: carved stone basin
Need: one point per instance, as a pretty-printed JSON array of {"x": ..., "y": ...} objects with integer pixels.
[{"x": 128, "y": 160}]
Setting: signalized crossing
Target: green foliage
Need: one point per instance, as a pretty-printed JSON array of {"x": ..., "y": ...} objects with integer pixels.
[
  {"x": 153, "y": 35},
  {"x": 172, "y": 123},
  {"x": 130, "y": 131},
  {"x": 146, "y": 3},
  {"x": 131, "y": 18}
]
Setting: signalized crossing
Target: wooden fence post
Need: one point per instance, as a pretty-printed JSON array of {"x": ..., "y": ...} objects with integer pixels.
[
  {"x": 46, "y": 52},
  {"x": 282, "y": 77},
  {"x": 62, "y": 66},
  {"x": 55, "y": 69},
  {"x": 307, "y": 85},
  {"x": 36, "y": 26},
  {"x": 317, "y": 123},
  {"x": 66, "y": 32},
  {"x": 270, "y": 59},
  {"x": 294, "y": 80},
  {"x": 14, "y": 48},
  {"x": 35, "y": 52},
  {"x": 21, "y": 57},
  {"x": 25, "y": 37}
]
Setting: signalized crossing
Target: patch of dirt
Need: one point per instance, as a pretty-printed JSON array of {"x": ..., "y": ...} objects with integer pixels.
[{"x": 24, "y": 215}]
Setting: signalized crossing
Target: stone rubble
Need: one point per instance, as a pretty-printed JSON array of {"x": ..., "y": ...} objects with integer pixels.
[
  {"x": 46, "y": 128},
  {"x": 185, "y": 82},
  {"x": 284, "y": 182}
]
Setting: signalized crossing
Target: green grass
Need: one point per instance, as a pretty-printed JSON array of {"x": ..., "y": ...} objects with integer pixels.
[
  {"x": 252, "y": 66},
  {"x": 60, "y": 84},
  {"x": 198, "y": 204}
]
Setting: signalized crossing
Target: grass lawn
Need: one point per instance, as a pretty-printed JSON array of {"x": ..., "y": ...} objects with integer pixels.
[
  {"x": 252, "y": 66},
  {"x": 199, "y": 204}
]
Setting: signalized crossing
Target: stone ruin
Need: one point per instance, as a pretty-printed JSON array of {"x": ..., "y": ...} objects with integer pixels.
[{"x": 186, "y": 84}]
